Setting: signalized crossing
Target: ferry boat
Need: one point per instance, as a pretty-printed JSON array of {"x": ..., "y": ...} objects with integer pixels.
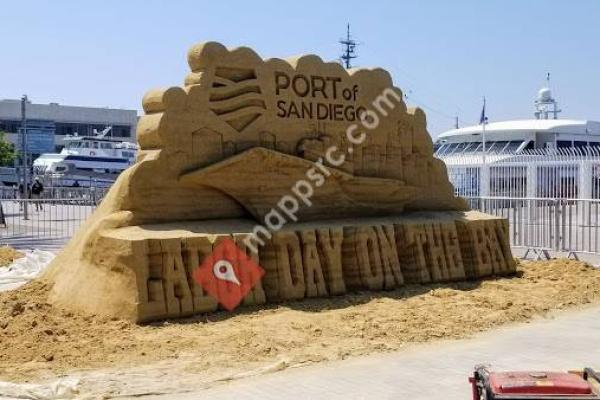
[{"x": 86, "y": 161}]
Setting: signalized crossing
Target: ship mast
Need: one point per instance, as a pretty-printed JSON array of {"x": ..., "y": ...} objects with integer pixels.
[{"x": 349, "y": 49}]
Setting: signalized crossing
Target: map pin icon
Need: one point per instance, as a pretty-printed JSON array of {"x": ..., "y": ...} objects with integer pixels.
[{"x": 223, "y": 270}]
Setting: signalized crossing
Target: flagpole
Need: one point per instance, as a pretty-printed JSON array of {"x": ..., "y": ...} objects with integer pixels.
[
  {"x": 484, "y": 182},
  {"x": 483, "y": 133}
]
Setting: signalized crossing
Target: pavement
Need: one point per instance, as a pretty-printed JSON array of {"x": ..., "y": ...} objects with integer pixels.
[{"x": 439, "y": 370}]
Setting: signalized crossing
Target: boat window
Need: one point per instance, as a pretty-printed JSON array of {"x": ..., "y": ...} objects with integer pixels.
[
  {"x": 442, "y": 149},
  {"x": 85, "y": 145},
  {"x": 580, "y": 144},
  {"x": 105, "y": 145},
  {"x": 471, "y": 146},
  {"x": 452, "y": 147},
  {"x": 563, "y": 143},
  {"x": 468, "y": 147},
  {"x": 461, "y": 147},
  {"x": 95, "y": 145},
  {"x": 490, "y": 147},
  {"x": 513, "y": 146},
  {"x": 497, "y": 147}
]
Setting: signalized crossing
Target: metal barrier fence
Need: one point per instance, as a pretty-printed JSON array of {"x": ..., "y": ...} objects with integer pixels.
[
  {"x": 548, "y": 173},
  {"x": 540, "y": 224},
  {"x": 32, "y": 220},
  {"x": 91, "y": 194},
  {"x": 543, "y": 224}
]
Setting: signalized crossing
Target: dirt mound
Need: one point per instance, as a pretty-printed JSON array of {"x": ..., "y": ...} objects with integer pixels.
[{"x": 37, "y": 339}]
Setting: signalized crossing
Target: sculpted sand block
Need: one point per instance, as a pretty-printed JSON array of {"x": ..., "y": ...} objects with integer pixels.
[{"x": 274, "y": 154}]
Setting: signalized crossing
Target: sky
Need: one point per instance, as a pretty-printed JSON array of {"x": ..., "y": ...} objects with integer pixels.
[{"x": 444, "y": 55}]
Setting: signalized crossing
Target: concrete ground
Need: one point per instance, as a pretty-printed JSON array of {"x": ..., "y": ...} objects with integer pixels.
[{"x": 439, "y": 370}]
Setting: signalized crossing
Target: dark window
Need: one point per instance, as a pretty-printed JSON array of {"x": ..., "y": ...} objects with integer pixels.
[
  {"x": 63, "y": 128},
  {"x": 121, "y": 131},
  {"x": 580, "y": 144},
  {"x": 83, "y": 130},
  {"x": 563, "y": 143},
  {"x": 10, "y": 126}
]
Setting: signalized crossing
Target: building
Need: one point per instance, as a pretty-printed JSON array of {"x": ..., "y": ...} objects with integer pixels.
[{"x": 49, "y": 124}]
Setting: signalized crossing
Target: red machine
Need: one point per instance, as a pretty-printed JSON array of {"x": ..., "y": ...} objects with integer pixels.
[{"x": 539, "y": 385}]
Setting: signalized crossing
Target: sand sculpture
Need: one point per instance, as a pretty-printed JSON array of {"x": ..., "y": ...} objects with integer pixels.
[{"x": 246, "y": 144}]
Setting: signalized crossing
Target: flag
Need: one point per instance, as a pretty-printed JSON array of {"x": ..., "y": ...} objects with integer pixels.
[{"x": 483, "y": 118}]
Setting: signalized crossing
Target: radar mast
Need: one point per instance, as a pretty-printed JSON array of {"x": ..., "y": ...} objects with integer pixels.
[{"x": 545, "y": 104}]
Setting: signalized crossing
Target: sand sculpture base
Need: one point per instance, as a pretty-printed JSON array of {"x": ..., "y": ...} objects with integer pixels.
[{"x": 153, "y": 264}]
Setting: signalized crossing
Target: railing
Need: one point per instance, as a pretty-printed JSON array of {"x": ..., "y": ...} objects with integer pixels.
[
  {"x": 31, "y": 222},
  {"x": 90, "y": 194},
  {"x": 543, "y": 224},
  {"x": 540, "y": 224},
  {"x": 548, "y": 173}
]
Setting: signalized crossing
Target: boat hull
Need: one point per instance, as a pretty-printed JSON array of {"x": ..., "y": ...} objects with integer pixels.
[{"x": 284, "y": 182}]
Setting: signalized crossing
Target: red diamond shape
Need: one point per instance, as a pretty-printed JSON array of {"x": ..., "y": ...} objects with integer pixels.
[{"x": 228, "y": 274}]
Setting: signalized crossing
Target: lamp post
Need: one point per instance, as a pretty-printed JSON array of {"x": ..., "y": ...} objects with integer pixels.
[{"x": 24, "y": 157}]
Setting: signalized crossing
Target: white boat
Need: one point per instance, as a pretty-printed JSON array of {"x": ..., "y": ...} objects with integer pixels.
[
  {"x": 86, "y": 161},
  {"x": 541, "y": 157},
  {"x": 544, "y": 135}
]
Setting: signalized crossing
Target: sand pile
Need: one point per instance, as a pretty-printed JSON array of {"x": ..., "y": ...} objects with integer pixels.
[
  {"x": 37, "y": 339},
  {"x": 8, "y": 255}
]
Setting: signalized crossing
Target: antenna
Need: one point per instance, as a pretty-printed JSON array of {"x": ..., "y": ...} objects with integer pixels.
[{"x": 349, "y": 48}]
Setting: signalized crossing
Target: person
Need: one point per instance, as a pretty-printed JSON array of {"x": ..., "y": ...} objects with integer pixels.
[
  {"x": 76, "y": 184},
  {"x": 36, "y": 193}
]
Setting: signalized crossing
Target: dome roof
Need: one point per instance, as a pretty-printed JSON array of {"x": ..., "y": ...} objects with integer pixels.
[{"x": 545, "y": 94}]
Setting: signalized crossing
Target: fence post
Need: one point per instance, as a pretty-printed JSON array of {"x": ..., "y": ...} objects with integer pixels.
[
  {"x": 557, "y": 211},
  {"x": 484, "y": 181},
  {"x": 585, "y": 180},
  {"x": 514, "y": 222},
  {"x": 531, "y": 180}
]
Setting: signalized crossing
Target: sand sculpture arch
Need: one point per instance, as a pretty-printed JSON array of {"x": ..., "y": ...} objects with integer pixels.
[{"x": 217, "y": 154}]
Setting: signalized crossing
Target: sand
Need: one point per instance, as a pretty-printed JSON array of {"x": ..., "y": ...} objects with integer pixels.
[
  {"x": 8, "y": 255},
  {"x": 38, "y": 340}
]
